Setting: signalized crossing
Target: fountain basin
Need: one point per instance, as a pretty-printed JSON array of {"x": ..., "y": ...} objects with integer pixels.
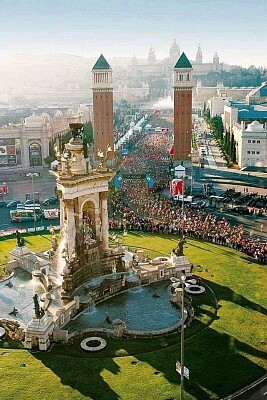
[{"x": 142, "y": 309}]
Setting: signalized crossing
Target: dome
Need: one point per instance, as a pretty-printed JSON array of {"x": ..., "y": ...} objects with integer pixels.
[
  {"x": 174, "y": 50},
  {"x": 174, "y": 47}
]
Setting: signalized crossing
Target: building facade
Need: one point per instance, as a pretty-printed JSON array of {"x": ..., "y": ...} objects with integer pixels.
[
  {"x": 251, "y": 145},
  {"x": 254, "y": 109},
  {"x": 27, "y": 144}
]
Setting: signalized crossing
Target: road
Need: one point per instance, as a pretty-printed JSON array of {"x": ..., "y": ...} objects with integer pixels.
[
  {"x": 257, "y": 391},
  {"x": 19, "y": 185}
]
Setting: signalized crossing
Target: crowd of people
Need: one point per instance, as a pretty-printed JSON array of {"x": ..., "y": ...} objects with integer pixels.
[{"x": 136, "y": 207}]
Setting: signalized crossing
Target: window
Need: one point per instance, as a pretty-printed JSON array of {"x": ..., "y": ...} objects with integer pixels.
[
  {"x": 248, "y": 152},
  {"x": 258, "y": 141},
  {"x": 258, "y": 152},
  {"x": 253, "y": 152},
  {"x": 253, "y": 141},
  {"x": 249, "y": 141}
]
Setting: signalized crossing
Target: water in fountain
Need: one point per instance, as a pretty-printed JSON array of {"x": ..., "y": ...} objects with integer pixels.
[
  {"x": 145, "y": 309},
  {"x": 59, "y": 261},
  {"x": 19, "y": 296}
]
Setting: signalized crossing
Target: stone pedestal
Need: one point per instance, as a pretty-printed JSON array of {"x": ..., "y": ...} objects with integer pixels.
[
  {"x": 182, "y": 265},
  {"x": 177, "y": 296},
  {"x": 119, "y": 328},
  {"x": 38, "y": 333},
  {"x": 75, "y": 146},
  {"x": 19, "y": 252}
]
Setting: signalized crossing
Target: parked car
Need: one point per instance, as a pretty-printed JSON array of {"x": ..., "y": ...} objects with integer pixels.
[
  {"x": 13, "y": 204},
  {"x": 50, "y": 200},
  {"x": 239, "y": 210},
  {"x": 199, "y": 204},
  {"x": 2, "y": 203},
  {"x": 30, "y": 202}
]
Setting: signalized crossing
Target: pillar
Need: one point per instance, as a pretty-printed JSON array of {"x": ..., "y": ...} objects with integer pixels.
[
  {"x": 71, "y": 228},
  {"x": 25, "y": 159},
  {"x": 104, "y": 221}
]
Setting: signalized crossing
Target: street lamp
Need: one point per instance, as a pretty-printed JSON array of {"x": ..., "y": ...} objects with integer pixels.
[
  {"x": 32, "y": 175},
  {"x": 182, "y": 339},
  {"x": 182, "y": 281}
]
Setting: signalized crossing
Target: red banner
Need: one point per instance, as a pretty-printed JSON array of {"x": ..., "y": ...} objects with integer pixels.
[
  {"x": 176, "y": 187},
  {"x": 3, "y": 189}
]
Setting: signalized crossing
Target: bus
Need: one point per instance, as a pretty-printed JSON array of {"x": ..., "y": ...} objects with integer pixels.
[
  {"x": 53, "y": 213},
  {"x": 25, "y": 215}
]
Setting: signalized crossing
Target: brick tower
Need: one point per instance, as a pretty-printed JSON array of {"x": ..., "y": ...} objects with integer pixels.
[
  {"x": 102, "y": 107},
  {"x": 182, "y": 85}
]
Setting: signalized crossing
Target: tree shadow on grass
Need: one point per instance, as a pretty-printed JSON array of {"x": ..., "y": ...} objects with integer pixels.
[
  {"x": 219, "y": 364},
  {"x": 199, "y": 247},
  {"x": 216, "y": 363},
  {"x": 227, "y": 294},
  {"x": 82, "y": 374}
]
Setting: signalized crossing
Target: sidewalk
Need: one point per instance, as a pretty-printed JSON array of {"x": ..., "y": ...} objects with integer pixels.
[{"x": 215, "y": 156}]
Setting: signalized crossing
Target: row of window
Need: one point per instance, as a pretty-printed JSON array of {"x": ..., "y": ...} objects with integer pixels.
[
  {"x": 254, "y": 141},
  {"x": 253, "y": 152}
]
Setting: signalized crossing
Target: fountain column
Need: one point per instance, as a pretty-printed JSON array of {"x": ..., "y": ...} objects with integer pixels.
[
  {"x": 70, "y": 226},
  {"x": 97, "y": 224},
  {"x": 104, "y": 221}
]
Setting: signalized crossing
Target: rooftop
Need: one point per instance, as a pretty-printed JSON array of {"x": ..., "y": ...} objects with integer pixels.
[
  {"x": 183, "y": 62},
  {"x": 101, "y": 63}
]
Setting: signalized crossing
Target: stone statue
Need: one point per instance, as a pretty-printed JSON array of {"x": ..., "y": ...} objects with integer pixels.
[
  {"x": 76, "y": 131},
  {"x": 39, "y": 312},
  {"x": 20, "y": 240},
  {"x": 88, "y": 236},
  {"x": 179, "y": 251}
]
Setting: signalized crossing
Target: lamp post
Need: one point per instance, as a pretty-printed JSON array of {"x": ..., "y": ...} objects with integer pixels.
[
  {"x": 32, "y": 175},
  {"x": 174, "y": 280},
  {"x": 183, "y": 192},
  {"x": 182, "y": 339}
]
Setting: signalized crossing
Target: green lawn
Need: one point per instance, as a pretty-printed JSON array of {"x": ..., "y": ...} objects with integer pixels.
[
  {"x": 35, "y": 242},
  {"x": 222, "y": 357}
]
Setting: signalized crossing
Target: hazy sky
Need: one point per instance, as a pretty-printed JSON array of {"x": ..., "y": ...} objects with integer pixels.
[{"x": 236, "y": 29}]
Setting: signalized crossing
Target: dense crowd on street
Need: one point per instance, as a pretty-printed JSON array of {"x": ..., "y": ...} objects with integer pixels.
[{"x": 135, "y": 207}]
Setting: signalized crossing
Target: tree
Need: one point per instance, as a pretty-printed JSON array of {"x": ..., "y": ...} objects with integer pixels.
[
  {"x": 232, "y": 149},
  {"x": 88, "y": 133}
]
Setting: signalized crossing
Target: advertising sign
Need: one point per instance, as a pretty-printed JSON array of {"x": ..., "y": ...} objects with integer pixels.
[
  {"x": 178, "y": 369},
  {"x": 3, "y": 189},
  {"x": 176, "y": 187},
  {"x": 7, "y": 152}
]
